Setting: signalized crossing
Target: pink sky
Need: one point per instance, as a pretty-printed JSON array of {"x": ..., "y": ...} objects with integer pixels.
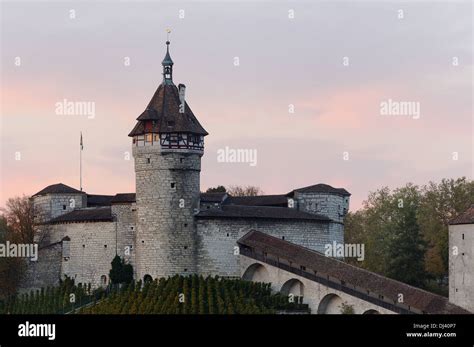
[{"x": 282, "y": 61}]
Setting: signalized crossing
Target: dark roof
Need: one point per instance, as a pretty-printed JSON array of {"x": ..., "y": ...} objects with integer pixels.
[
  {"x": 260, "y": 200},
  {"x": 236, "y": 211},
  {"x": 163, "y": 111},
  {"x": 122, "y": 198},
  {"x": 93, "y": 214},
  {"x": 94, "y": 200},
  {"x": 58, "y": 188},
  {"x": 467, "y": 217},
  {"x": 213, "y": 197},
  {"x": 315, "y": 261},
  {"x": 321, "y": 188}
]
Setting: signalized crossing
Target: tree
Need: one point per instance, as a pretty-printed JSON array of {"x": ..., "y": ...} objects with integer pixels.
[
  {"x": 11, "y": 269},
  {"x": 120, "y": 272},
  {"x": 244, "y": 191},
  {"x": 19, "y": 217},
  {"x": 406, "y": 247},
  {"x": 405, "y": 231},
  {"x": 347, "y": 308},
  {"x": 439, "y": 204},
  {"x": 218, "y": 189}
]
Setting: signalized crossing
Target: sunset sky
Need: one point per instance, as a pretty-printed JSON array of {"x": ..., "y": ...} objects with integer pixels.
[{"x": 283, "y": 61}]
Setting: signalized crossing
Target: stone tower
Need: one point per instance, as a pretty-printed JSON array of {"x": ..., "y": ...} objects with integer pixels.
[
  {"x": 168, "y": 143},
  {"x": 461, "y": 260}
]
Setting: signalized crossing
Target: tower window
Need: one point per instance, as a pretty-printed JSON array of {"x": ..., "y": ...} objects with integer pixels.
[
  {"x": 181, "y": 160},
  {"x": 173, "y": 185},
  {"x": 283, "y": 237},
  {"x": 64, "y": 207},
  {"x": 148, "y": 160},
  {"x": 463, "y": 236},
  {"x": 185, "y": 225},
  {"x": 185, "y": 247},
  {"x": 185, "y": 270},
  {"x": 105, "y": 246}
]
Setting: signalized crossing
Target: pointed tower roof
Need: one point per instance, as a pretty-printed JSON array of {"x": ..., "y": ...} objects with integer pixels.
[
  {"x": 162, "y": 115},
  {"x": 167, "y": 60}
]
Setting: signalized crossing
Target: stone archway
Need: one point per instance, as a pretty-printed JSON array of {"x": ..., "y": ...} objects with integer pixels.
[
  {"x": 293, "y": 286},
  {"x": 256, "y": 273},
  {"x": 371, "y": 312},
  {"x": 330, "y": 304},
  {"x": 147, "y": 278}
]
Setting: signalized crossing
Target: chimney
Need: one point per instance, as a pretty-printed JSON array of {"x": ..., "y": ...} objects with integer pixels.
[{"x": 182, "y": 90}]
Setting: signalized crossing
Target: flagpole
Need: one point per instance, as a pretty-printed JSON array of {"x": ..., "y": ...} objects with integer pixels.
[{"x": 80, "y": 164}]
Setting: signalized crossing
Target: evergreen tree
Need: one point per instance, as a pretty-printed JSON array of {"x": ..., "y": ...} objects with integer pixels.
[{"x": 407, "y": 251}]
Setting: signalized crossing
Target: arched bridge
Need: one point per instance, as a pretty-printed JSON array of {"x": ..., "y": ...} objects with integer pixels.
[{"x": 328, "y": 285}]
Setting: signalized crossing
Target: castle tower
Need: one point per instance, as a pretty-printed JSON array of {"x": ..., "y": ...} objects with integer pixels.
[
  {"x": 168, "y": 143},
  {"x": 461, "y": 260}
]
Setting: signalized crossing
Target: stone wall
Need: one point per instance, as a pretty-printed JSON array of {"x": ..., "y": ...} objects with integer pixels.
[
  {"x": 217, "y": 239},
  {"x": 461, "y": 266},
  {"x": 92, "y": 248},
  {"x": 44, "y": 272},
  {"x": 126, "y": 217}
]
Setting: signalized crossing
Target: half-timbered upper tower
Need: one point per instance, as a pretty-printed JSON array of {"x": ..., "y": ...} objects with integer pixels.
[{"x": 168, "y": 143}]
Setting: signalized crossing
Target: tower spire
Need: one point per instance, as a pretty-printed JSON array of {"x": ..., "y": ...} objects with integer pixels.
[{"x": 167, "y": 63}]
